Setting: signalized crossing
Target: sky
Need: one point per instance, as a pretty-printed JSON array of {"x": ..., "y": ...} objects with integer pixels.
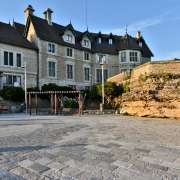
[{"x": 158, "y": 20}]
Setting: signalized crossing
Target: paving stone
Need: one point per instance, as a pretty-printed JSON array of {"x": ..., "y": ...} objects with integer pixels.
[
  {"x": 56, "y": 166},
  {"x": 90, "y": 147},
  {"x": 44, "y": 161},
  {"x": 122, "y": 164},
  {"x": 26, "y": 163},
  {"x": 38, "y": 168}
]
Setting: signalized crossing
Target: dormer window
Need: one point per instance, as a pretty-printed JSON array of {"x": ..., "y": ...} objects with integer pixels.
[
  {"x": 110, "y": 41},
  {"x": 140, "y": 44},
  {"x": 86, "y": 43},
  {"x": 99, "y": 40},
  {"x": 69, "y": 38}
]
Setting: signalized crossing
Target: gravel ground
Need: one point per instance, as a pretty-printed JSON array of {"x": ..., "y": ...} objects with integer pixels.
[{"x": 89, "y": 148}]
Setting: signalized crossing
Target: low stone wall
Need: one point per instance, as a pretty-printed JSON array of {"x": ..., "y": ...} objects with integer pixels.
[
  {"x": 154, "y": 90},
  {"x": 156, "y": 67}
]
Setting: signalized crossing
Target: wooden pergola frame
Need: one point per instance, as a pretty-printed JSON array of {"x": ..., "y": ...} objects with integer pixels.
[{"x": 54, "y": 98}]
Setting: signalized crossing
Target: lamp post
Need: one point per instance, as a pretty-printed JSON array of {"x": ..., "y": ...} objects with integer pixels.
[
  {"x": 25, "y": 85},
  {"x": 102, "y": 63},
  {"x": 1, "y": 81}
]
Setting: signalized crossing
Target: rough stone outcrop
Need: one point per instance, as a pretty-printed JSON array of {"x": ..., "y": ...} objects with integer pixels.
[{"x": 154, "y": 93}]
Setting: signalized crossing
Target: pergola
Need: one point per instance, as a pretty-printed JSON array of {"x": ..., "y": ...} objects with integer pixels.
[{"x": 55, "y": 100}]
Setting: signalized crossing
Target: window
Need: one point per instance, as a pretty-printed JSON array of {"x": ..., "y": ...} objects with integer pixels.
[
  {"x": 8, "y": 58},
  {"x": 69, "y": 71},
  {"x": 87, "y": 74},
  {"x": 124, "y": 70},
  {"x": 140, "y": 44},
  {"x": 69, "y": 37},
  {"x": 69, "y": 52},
  {"x": 18, "y": 60},
  {"x": 123, "y": 56},
  {"x": 86, "y": 43},
  {"x": 10, "y": 80},
  {"x": 110, "y": 41},
  {"x": 101, "y": 58},
  {"x": 133, "y": 56},
  {"x": 86, "y": 56},
  {"x": 99, "y": 40},
  {"x": 99, "y": 75},
  {"x": 51, "y": 69},
  {"x": 51, "y": 47}
]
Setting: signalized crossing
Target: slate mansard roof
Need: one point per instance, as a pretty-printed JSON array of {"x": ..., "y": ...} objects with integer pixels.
[
  {"x": 9, "y": 35},
  {"x": 54, "y": 33}
]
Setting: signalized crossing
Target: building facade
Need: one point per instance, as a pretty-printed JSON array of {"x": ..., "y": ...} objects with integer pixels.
[
  {"x": 68, "y": 57},
  {"x": 15, "y": 52}
]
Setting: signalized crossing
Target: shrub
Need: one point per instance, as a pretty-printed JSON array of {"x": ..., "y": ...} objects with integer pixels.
[
  {"x": 15, "y": 94},
  {"x": 92, "y": 93},
  {"x": 33, "y": 89},
  {"x": 143, "y": 78},
  {"x": 111, "y": 91},
  {"x": 54, "y": 87},
  {"x": 126, "y": 87},
  {"x": 70, "y": 103}
]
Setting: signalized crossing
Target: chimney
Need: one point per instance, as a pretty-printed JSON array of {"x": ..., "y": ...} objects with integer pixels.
[
  {"x": 48, "y": 16},
  {"x": 28, "y": 11},
  {"x": 138, "y": 35}
]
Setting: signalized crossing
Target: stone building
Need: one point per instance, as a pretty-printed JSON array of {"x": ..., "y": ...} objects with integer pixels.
[
  {"x": 15, "y": 51},
  {"x": 69, "y": 57}
]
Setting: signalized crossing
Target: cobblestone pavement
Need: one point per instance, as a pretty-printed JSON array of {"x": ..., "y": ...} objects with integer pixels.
[{"x": 89, "y": 148}]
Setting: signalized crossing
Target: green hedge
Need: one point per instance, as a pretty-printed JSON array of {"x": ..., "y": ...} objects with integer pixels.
[
  {"x": 54, "y": 87},
  {"x": 15, "y": 94}
]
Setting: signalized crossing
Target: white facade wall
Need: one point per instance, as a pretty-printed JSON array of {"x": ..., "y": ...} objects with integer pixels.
[{"x": 27, "y": 55}]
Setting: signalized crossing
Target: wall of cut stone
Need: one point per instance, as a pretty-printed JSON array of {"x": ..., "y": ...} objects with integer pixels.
[
  {"x": 154, "y": 91},
  {"x": 157, "y": 67}
]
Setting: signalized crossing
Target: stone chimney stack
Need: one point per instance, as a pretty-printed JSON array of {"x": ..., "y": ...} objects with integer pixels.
[
  {"x": 48, "y": 16},
  {"x": 28, "y": 11},
  {"x": 138, "y": 35}
]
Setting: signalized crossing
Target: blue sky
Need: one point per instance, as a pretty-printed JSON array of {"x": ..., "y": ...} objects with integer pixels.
[{"x": 159, "y": 20}]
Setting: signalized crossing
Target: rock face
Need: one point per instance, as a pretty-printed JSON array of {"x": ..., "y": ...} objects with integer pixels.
[{"x": 154, "y": 94}]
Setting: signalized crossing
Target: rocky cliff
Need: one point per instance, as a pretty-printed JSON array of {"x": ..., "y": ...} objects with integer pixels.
[{"x": 153, "y": 94}]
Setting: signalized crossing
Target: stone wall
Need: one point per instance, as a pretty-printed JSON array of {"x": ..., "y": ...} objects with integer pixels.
[
  {"x": 29, "y": 56},
  {"x": 154, "y": 90}
]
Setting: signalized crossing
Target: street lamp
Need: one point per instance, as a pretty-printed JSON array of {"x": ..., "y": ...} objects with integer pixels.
[
  {"x": 1, "y": 82},
  {"x": 25, "y": 84},
  {"x": 102, "y": 63}
]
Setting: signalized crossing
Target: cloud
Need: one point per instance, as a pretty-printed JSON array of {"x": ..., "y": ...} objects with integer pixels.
[{"x": 146, "y": 23}]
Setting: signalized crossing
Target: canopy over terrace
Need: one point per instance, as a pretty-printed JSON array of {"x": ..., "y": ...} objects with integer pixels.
[{"x": 55, "y": 100}]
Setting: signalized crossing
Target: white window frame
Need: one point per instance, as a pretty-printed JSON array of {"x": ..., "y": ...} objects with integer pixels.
[
  {"x": 22, "y": 63},
  {"x": 50, "y": 52},
  {"x": 99, "y": 40},
  {"x": 126, "y": 57},
  {"x": 73, "y": 69},
  {"x": 101, "y": 72},
  {"x": 85, "y": 56},
  {"x": 55, "y": 61},
  {"x": 69, "y": 37},
  {"x": 98, "y": 61},
  {"x": 110, "y": 41},
  {"x": 134, "y": 57},
  {"x": 66, "y": 49},
  {"x": 14, "y": 62},
  {"x": 13, "y": 74},
  {"x": 87, "y": 66}
]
